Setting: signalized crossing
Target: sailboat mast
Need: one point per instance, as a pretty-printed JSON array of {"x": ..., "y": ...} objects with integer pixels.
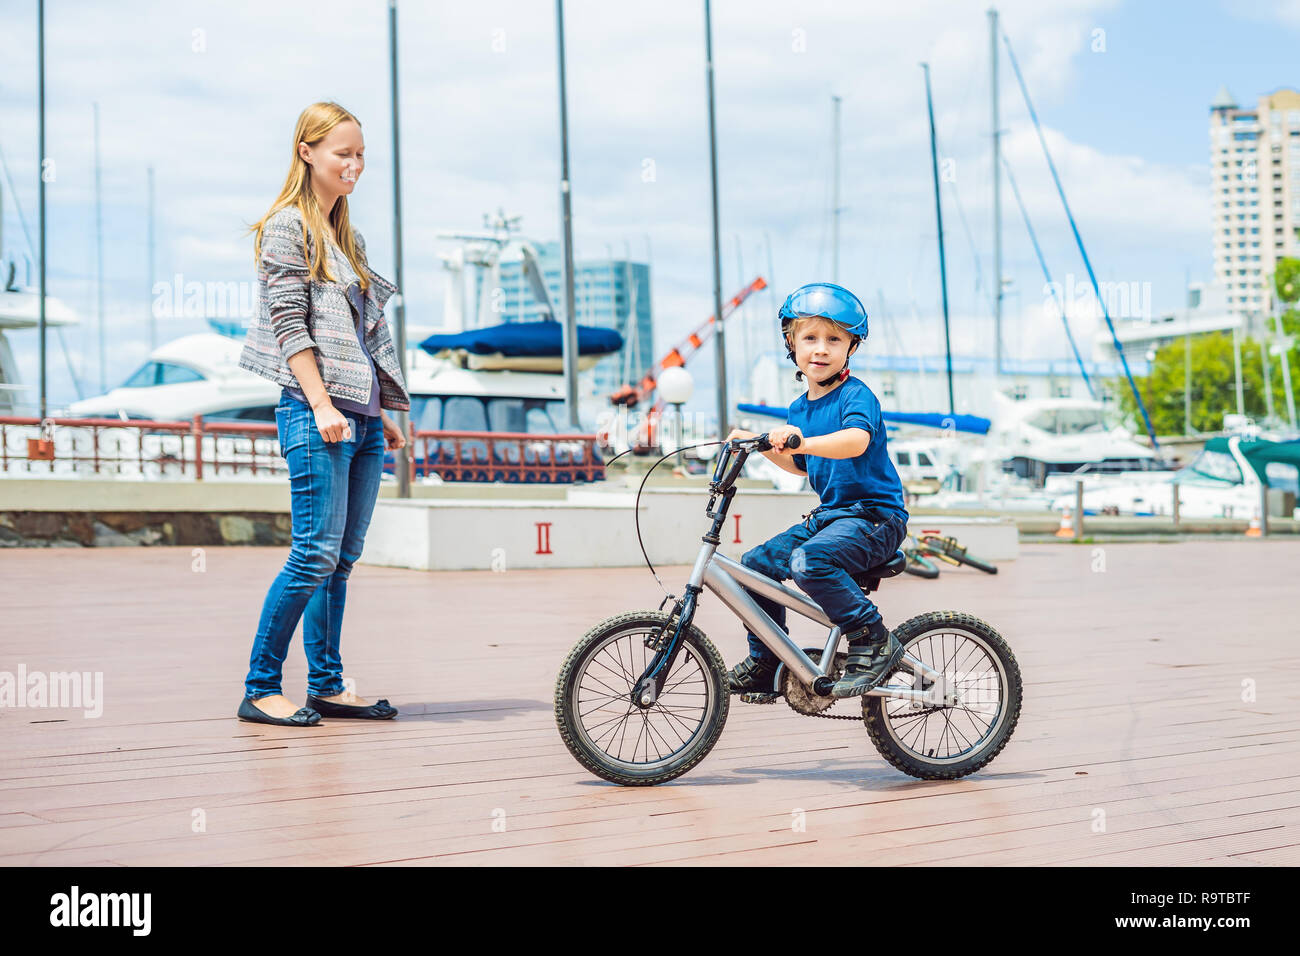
[
  {"x": 835, "y": 191},
  {"x": 40, "y": 172},
  {"x": 943, "y": 262},
  {"x": 401, "y": 460},
  {"x": 566, "y": 222},
  {"x": 99, "y": 258},
  {"x": 997, "y": 192},
  {"x": 153, "y": 324},
  {"x": 719, "y": 334}
]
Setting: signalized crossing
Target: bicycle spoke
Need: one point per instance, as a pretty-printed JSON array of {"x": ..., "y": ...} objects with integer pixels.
[
  {"x": 620, "y": 717},
  {"x": 613, "y": 691},
  {"x": 622, "y": 674},
  {"x": 645, "y": 716},
  {"x": 619, "y": 722},
  {"x": 593, "y": 710},
  {"x": 669, "y": 717},
  {"x": 668, "y": 722}
]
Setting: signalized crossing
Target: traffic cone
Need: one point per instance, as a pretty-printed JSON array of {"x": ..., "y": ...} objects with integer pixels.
[
  {"x": 1254, "y": 531},
  {"x": 1066, "y": 530}
]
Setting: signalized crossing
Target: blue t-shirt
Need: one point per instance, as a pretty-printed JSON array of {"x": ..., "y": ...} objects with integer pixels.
[{"x": 871, "y": 477}]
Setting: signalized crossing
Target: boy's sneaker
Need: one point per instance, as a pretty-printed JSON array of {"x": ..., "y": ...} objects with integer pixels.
[
  {"x": 867, "y": 665},
  {"x": 752, "y": 675}
]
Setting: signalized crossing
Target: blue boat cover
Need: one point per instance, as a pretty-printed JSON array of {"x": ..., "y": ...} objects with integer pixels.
[
  {"x": 532, "y": 339},
  {"x": 962, "y": 423}
]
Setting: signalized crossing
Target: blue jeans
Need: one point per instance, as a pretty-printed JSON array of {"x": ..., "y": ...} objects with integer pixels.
[
  {"x": 332, "y": 492},
  {"x": 821, "y": 554}
]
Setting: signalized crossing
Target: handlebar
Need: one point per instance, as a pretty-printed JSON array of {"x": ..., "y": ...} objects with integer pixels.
[{"x": 734, "y": 455}]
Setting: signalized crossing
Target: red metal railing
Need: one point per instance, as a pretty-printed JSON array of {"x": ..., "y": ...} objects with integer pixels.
[
  {"x": 506, "y": 456},
  {"x": 195, "y": 449},
  {"x": 139, "y": 448}
]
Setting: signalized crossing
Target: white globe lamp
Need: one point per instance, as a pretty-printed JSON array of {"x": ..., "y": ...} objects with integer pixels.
[{"x": 676, "y": 386}]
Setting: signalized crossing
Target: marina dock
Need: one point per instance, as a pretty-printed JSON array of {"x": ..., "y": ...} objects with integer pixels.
[{"x": 1159, "y": 724}]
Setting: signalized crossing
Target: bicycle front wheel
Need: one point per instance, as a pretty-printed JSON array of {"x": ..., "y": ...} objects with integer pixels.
[{"x": 615, "y": 738}]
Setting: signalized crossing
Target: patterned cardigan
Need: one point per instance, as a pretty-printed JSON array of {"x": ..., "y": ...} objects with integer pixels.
[{"x": 296, "y": 312}]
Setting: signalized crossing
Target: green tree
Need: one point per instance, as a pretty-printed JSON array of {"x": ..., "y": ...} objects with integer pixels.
[
  {"x": 1214, "y": 389},
  {"x": 1286, "y": 279}
]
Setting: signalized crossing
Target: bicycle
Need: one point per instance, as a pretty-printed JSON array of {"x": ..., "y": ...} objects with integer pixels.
[{"x": 657, "y": 675}]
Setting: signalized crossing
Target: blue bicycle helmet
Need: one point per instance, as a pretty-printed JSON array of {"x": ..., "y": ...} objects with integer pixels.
[{"x": 830, "y": 301}]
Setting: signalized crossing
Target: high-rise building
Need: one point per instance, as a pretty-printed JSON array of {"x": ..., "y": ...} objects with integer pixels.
[
  {"x": 1255, "y": 177},
  {"x": 605, "y": 291}
]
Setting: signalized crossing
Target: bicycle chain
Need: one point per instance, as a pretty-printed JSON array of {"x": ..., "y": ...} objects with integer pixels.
[
  {"x": 916, "y": 713},
  {"x": 771, "y": 697},
  {"x": 803, "y": 713}
]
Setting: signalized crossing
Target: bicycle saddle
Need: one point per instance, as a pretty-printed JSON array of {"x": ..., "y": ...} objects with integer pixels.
[{"x": 870, "y": 579}]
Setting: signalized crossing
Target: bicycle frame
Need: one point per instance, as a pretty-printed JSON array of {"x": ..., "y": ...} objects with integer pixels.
[{"x": 729, "y": 579}]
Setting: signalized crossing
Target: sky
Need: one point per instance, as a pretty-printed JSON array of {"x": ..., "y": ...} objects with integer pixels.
[{"x": 208, "y": 93}]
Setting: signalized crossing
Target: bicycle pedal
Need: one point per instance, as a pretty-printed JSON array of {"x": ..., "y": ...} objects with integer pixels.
[{"x": 760, "y": 697}]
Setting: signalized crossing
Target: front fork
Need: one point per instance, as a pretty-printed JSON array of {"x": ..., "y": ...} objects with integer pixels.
[{"x": 667, "y": 642}]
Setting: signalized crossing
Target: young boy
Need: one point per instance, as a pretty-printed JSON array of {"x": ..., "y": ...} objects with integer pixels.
[{"x": 861, "y": 519}]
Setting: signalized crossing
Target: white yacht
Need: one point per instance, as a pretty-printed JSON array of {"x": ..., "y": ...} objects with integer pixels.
[
  {"x": 1034, "y": 450},
  {"x": 193, "y": 375},
  {"x": 20, "y": 309},
  {"x": 1224, "y": 481}
]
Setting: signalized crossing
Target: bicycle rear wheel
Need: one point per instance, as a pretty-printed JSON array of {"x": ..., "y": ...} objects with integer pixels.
[
  {"x": 616, "y": 739},
  {"x": 944, "y": 743}
]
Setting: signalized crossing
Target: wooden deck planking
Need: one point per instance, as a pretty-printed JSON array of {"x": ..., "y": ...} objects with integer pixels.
[{"x": 1140, "y": 716}]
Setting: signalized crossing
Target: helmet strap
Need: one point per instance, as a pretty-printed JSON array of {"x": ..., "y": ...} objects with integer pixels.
[{"x": 839, "y": 376}]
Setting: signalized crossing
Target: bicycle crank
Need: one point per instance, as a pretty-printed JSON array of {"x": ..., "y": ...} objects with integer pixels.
[{"x": 801, "y": 699}]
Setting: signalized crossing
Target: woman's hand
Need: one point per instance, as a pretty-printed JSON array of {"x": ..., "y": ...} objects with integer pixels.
[
  {"x": 741, "y": 434},
  {"x": 393, "y": 437},
  {"x": 331, "y": 423},
  {"x": 780, "y": 436}
]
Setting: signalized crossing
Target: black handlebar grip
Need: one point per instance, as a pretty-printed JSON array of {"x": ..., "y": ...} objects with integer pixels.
[{"x": 793, "y": 441}]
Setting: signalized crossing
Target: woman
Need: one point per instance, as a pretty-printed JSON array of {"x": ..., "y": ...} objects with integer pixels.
[{"x": 321, "y": 334}]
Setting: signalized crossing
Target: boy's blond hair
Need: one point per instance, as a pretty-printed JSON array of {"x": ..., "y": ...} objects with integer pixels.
[{"x": 796, "y": 325}]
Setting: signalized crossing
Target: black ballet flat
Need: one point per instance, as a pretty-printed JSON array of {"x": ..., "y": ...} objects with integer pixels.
[
  {"x": 379, "y": 710},
  {"x": 302, "y": 717}
]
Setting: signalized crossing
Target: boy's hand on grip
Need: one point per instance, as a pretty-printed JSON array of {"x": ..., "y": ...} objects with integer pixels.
[{"x": 780, "y": 438}]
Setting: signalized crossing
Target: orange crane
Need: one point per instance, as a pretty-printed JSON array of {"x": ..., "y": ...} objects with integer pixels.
[{"x": 633, "y": 395}]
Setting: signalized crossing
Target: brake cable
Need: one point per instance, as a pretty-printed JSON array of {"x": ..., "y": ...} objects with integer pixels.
[
  {"x": 636, "y": 510},
  {"x": 636, "y": 513}
]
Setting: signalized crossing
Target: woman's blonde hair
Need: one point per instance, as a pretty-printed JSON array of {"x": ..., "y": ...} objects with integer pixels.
[{"x": 314, "y": 124}]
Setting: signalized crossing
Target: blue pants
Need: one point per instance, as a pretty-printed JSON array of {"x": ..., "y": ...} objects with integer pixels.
[
  {"x": 332, "y": 492},
  {"x": 821, "y": 554}
]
